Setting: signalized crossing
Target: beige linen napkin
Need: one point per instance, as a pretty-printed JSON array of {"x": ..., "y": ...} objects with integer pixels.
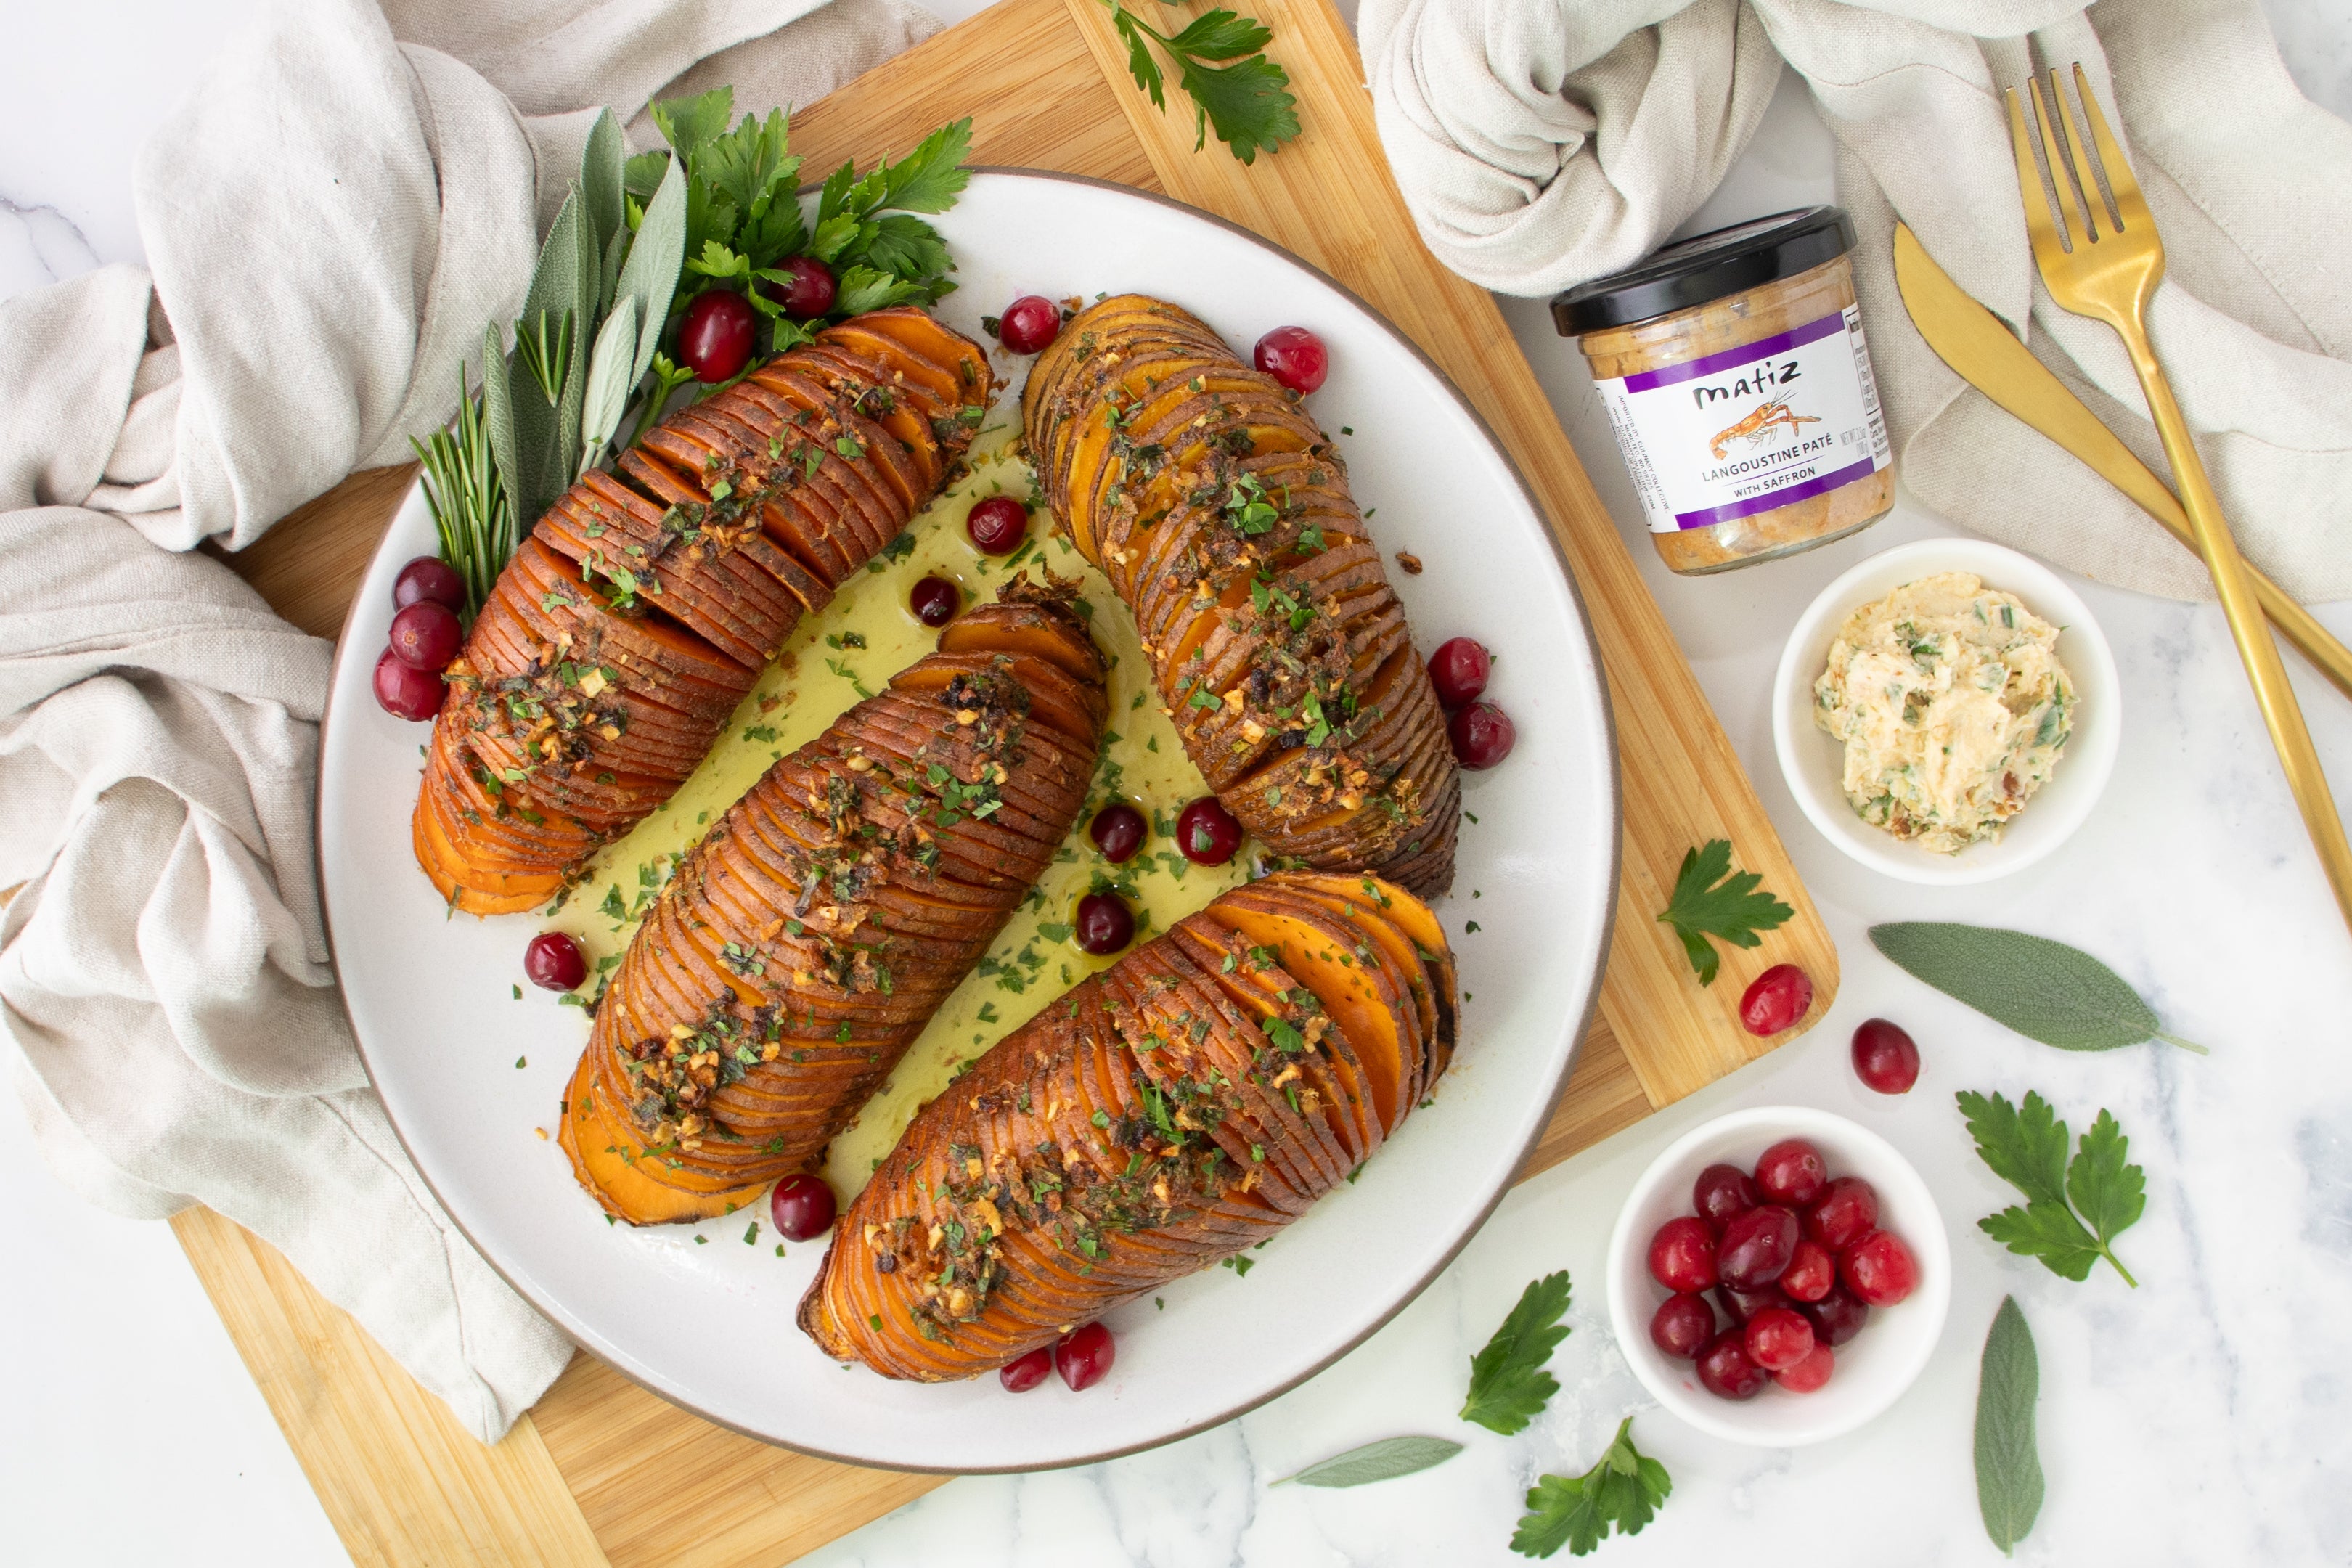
[
  {"x": 1541, "y": 142},
  {"x": 330, "y": 218}
]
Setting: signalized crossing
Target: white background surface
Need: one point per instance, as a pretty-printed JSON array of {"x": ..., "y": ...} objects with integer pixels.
[{"x": 2204, "y": 1418}]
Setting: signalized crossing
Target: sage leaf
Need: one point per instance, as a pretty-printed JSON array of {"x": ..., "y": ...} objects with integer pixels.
[
  {"x": 2044, "y": 990},
  {"x": 2009, "y": 1468},
  {"x": 649, "y": 275},
  {"x": 1381, "y": 1461},
  {"x": 497, "y": 413},
  {"x": 603, "y": 164},
  {"x": 608, "y": 383}
]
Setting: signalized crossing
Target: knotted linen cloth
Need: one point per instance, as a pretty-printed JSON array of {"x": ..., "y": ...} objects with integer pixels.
[
  {"x": 1543, "y": 143},
  {"x": 330, "y": 218}
]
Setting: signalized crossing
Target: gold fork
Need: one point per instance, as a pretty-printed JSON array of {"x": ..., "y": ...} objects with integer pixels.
[{"x": 2110, "y": 276}]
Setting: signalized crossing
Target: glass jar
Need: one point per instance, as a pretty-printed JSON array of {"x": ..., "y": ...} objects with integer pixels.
[{"x": 1738, "y": 386}]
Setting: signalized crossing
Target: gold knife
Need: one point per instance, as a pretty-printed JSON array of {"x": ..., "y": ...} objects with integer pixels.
[{"x": 1973, "y": 342}]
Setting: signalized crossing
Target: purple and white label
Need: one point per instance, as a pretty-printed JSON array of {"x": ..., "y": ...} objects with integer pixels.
[{"x": 1762, "y": 426}]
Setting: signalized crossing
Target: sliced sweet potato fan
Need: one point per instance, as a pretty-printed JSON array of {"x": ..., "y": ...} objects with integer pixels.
[
  {"x": 642, "y": 606},
  {"x": 803, "y": 944},
  {"x": 1214, "y": 504},
  {"x": 1177, "y": 1109}
]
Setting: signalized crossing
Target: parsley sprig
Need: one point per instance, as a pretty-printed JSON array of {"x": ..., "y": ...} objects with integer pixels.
[
  {"x": 1710, "y": 901},
  {"x": 1623, "y": 1490},
  {"x": 1246, "y": 102},
  {"x": 1508, "y": 1384},
  {"x": 2074, "y": 1208}
]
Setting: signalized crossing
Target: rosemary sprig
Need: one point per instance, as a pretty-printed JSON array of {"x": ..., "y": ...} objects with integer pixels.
[{"x": 470, "y": 508}]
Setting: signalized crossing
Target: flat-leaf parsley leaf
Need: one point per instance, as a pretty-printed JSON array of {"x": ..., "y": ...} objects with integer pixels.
[
  {"x": 2073, "y": 1209},
  {"x": 1246, "y": 102},
  {"x": 1710, "y": 901},
  {"x": 1508, "y": 1384},
  {"x": 1623, "y": 1490}
]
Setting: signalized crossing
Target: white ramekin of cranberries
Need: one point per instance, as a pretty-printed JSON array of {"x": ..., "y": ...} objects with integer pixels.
[{"x": 1779, "y": 1276}]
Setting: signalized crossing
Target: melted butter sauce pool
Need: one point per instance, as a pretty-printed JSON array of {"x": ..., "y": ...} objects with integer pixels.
[{"x": 852, "y": 648}]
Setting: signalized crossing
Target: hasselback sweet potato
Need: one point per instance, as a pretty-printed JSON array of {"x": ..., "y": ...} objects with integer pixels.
[
  {"x": 1169, "y": 1112},
  {"x": 802, "y": 945},
  {"x": 1215, "y": 506},
  {"x": 641, "y": 608}
]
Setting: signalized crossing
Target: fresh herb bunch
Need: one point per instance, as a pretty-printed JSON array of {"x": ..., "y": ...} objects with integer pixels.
[
  {"x": 1710, "y": 901},
  {"x": 2074, "y": 1208},
  {"x": 1246, "y": 102},
  {"x": 470, "y": 510},
  {"x": 1624, "y": 1490},
  {"x": 1508, "y": 1384}
]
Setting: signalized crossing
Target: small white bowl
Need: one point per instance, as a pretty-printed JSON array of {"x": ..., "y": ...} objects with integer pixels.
[
  {"x": 1874, "y": 1368},
  {"x": 1813, "y": 761}
]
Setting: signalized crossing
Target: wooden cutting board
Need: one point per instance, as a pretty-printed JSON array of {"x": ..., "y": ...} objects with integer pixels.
[{"x": 602, "y": 1471}]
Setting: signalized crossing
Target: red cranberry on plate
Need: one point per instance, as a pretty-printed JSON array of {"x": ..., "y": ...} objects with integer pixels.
[
  {"x": 811, "y": 291},
  {"x": 802, "y": 1207},
  {"x": 1021, "y": 1375},
  {"x": 1727, "y": 1371},
  {"x": 1682, "y": 1255},
  {"x": 1757, "y": 1246},
  {"x": 1886, "y": 1057},
  {"x": 1836, "y": 1317},
  {"x": 1105, "y": 925},
  {"x": 1809, "y": 1375},
  {"x": 714, "y": 337},
  {"x": 1294, "y": 357},
  {"x": 935, "y": 601},
  {"x": 1847, "y": 1208},
  {"x": 1482, "y": 735},
  {"x": 1459, "y": 669},
  {"x": 1812, "y": 1272},
  {"x": 553, "y": 961},
  {"x": 427, "y": 636},
  {"x": 997, "y": 525},
  {"x": 1029, "y": 324},
  {"x": 1681, "y": 1325},
  {"x": 1777, "y": 999},
  {"x": 1879, "y": 1268},
  {"x": 1721, "y": 1191},
  {"x": 428, "y": 577},
  {"x": 1118, "y": 831},
  {"x": 1791, "y": 1171},
  {"x": 1084, "y": 1356},
  {"x": 406, "y": 692},
  {"x": 1207, "y": 833}
]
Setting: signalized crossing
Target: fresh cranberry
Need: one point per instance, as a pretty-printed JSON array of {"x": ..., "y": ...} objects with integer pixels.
[
  {"x": 1885, "y": 1057},
  {"x": 1727, "y": 1371},
  {"x": 1118, "y": 831},
  {"x": 1847, "y": 1208},
  {"x": 1294, "y": 357},
  {"x": 1459, "y": 669},
  {"x": 1777, "y": 1338},
  {"x": 935, "y": 601},
  {"x": 1207, "y": 833},
  {"x": 1681, "y": 1325},
  {"x": 428, "y": 578},
  {"x": 553, "y": 961},
  {"x": 1029, "y": 324},
  {"x": 1720, "y": 1192},
  {"x": 997, "y": 525},
  {"x": 1791, "y": 1171},
  {"x": 1836, "y": 1317},
  {"x": 714, "y": 340},
  {"x": 802, "y": 1207},
  {"x": 1879, "y": 1268},
  {"x": 406, "y": 692},
  {"x": 1682, "y": 1255},
  {"x": 1756, "y": 1247},
  {"x": 1482, "y": 735},
  {"x": 811, "y": 291},
  {"x": 1020, "y": 1377},
  {"x": 1812, "y": 1272},
  {"x": 1778, "y": 998},
  {"x": 1105, "y": 925},
  {"x": 1084, "y": 1356},
  {"x": 1809, "y": 1375},
  {"x": 427, "y": 636},
  {"x": 1743, "y": 1305}
]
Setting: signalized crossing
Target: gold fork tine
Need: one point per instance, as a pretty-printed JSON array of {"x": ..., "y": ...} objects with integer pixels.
[
  {"x": 2082, "y": 161},
  {"x": 2079, "y": 232},
  {"x": 2130, "y": 207},
  {"x": 2040, "y": 226}
]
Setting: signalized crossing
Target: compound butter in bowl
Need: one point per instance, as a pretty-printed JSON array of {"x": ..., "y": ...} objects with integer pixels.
[{"x": 1946, "y": 711}]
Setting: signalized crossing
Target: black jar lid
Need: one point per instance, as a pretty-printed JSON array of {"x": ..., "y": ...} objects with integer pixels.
[{"x": 1705, "y": 267}]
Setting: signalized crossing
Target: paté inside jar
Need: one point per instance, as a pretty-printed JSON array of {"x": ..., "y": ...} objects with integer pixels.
[{"x": 1738, "y": 387}]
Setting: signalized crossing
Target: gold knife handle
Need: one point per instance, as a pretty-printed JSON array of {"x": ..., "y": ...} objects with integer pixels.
[{"x": 2232, "y": 578}]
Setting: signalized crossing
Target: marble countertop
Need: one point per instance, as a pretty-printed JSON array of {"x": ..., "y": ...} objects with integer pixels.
[{"x": 2201, "y": 1418}]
